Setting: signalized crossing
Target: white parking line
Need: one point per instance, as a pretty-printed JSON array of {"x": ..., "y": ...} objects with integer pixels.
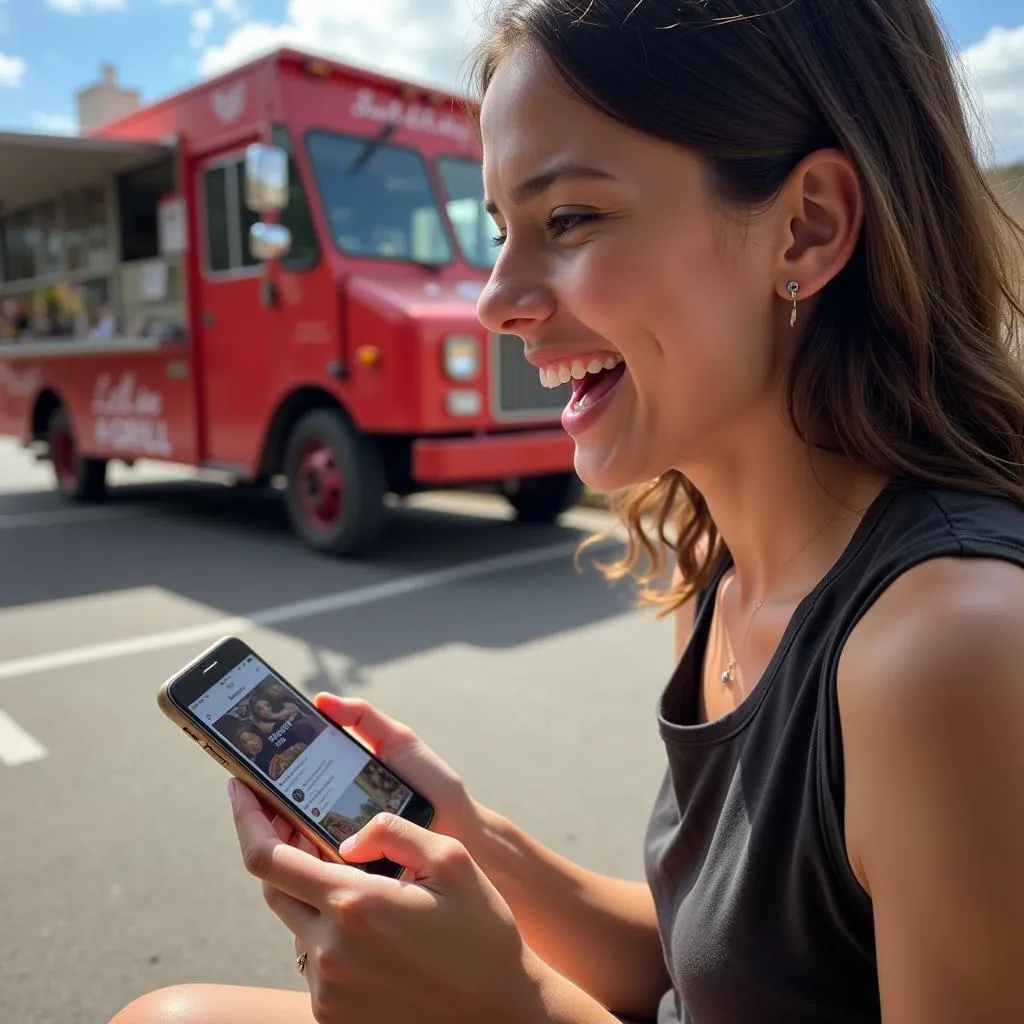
[
  {"x": 78, "y": 656},
  {"x": 58, "y": 517},
  {"x": 16, "y": 746}
]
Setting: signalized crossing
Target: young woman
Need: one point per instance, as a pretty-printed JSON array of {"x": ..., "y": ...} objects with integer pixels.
[{"x": 755, "y": 236}]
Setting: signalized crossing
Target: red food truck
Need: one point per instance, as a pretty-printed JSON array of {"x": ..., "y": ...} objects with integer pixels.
[{"x": 273, "y": 274}]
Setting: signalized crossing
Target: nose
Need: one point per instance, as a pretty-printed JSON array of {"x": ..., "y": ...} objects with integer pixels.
[{"x": 510, "y": 305}]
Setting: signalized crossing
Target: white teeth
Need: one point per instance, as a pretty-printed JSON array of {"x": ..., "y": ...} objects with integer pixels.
[
  {"x": 549, "y": 377},
  {"x": 556, "y": 374}
]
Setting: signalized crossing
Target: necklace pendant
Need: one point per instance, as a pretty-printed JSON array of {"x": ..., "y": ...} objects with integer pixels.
[{"x": 727, "y": 676}]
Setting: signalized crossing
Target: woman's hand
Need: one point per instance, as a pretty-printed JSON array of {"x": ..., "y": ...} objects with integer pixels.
[
  {"x": 408, "y": 756},
  {"x": 438, "y": 946}
]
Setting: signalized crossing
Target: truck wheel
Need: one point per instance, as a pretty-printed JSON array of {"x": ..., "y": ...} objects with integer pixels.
[
  {"x": 335, "y": 485},
  {"x": 542, "y": 499},
  {"x": 78, "y": 478}
]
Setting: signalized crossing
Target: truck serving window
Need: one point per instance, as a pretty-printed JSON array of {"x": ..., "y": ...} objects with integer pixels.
[
  {"x": 56, "y": 236},
  {"x": 139, "y": 193},
  {"x": 463, "y": 185},
  {"x": 378, "y": 200}
]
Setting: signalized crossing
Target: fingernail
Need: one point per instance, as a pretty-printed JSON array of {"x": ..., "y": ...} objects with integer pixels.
[
  {"x": 349, "y": 844},
  {"x": 233, "y": 791}
]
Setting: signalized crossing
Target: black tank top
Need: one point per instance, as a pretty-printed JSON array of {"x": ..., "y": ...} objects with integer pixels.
[{"x": 761, "y": 918}]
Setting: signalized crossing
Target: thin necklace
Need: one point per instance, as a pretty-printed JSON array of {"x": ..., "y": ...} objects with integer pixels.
[{"x": 729, "y": 675}]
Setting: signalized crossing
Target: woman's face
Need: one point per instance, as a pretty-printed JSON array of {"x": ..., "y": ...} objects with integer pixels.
[
  {"x": 625, "y": 256},
  {"x": 263, "y": 708},
  {"x": 250, "y": 743}
]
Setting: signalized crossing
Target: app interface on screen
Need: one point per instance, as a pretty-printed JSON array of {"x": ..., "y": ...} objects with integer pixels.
[{"x": 331, "y": 779}]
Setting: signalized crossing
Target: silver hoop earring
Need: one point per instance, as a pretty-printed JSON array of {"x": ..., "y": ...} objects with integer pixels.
[{"x": 794, "y": 289}]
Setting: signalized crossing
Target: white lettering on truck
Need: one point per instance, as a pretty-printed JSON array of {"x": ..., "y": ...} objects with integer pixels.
[
  {"x": 371, "y": 106},
  {"x": 128, "y": 417}
]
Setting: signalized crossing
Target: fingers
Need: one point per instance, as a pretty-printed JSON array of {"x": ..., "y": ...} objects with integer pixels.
[
  {"x": 272, "y": 860},
  {"x": 289, "y": 834},
  {"x": 284, "y": 829},
  {"x": 425, "y": 854},
  {"x": 373, "y": 727},
  {"x": 299, "y": 918},
  {"x": 306, "y": 846}
]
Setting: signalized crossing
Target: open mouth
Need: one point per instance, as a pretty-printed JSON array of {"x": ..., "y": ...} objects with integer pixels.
[
  {"x": 588, "y": 390},
  {"x": 594, "y": 380}
]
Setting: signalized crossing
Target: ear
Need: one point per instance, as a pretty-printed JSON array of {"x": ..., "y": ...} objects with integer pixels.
[{"x": 822, "y": 215}]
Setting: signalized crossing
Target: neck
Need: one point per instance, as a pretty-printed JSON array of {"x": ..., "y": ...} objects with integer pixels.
[{"x": 785, "y": 513}]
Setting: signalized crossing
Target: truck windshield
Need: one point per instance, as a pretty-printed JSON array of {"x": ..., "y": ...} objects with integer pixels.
[
  {"x": 378, "y": 199},
  {"x": 463, "y": 185}
]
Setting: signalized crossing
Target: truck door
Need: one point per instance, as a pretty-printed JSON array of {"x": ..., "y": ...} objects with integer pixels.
[{"x": 235, "y": 365}]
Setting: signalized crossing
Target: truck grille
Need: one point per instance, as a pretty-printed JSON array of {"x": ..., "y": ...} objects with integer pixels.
[{"x": 516, "y": 390}]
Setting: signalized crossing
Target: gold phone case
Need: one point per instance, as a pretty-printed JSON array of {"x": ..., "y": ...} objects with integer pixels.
[{"x": 229, "y": 760}]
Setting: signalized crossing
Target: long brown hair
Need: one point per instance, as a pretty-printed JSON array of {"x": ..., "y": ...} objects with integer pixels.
[{"x": 909, "y": 365}]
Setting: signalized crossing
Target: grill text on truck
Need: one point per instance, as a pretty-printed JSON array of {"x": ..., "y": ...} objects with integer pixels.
[{"x": 272, "y": 274}]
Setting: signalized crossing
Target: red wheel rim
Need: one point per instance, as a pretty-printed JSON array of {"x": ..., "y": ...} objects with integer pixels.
[
  {"x": 62, "y": 454},
  {"x": 320, "y": 485}
]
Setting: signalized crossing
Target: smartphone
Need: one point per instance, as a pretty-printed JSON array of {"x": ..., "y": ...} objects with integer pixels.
[{"x": 263, "y": 730}]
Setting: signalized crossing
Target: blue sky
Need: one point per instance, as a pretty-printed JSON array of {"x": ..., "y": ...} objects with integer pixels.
[{"x": 49, "y": 48}]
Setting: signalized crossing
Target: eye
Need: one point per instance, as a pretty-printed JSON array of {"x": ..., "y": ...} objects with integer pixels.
[
  {"x": 558, "y": 225},
  {"x": 561, "y": 223}
]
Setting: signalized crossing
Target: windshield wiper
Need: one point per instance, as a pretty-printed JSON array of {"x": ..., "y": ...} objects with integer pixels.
[{"x": 371, "y": 147}]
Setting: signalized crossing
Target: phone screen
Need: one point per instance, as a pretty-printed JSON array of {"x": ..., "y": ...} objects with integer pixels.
[{"x": 318, "y": 769}]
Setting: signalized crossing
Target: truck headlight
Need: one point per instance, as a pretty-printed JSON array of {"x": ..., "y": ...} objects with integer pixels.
[{"x": 461, "y": 357}]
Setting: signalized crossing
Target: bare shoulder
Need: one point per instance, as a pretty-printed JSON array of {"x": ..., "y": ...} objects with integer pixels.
[
  {"x": 942, "y": 624},
  {"x": 931, "y": 704}
]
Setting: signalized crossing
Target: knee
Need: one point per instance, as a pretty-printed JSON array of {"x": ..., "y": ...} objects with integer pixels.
[{"x": 179, "y": 1004}]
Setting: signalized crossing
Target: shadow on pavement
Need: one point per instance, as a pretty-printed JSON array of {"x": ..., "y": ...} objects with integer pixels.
[
  {"x": 229, "y": 549},
  {"x": 495, "y": 612}
]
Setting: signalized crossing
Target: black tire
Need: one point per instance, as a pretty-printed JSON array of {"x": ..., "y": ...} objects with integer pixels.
[
  {"x": 356, "y": 524},
  {"x": 78, "y": 478},
  {"x": 542, "y": 499}
]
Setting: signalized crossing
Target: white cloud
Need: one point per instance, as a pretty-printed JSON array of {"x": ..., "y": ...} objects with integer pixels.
[
  {"x": 425, "y": 41},
  {"x": 12, "y": 71},
  {"x": 57, "y": 124},
  {"x": 231, "y": 9},
  {"x": 202, "y": 22},
  {"x": 81, "y": 6},
  {"x": 995, "y": 67}
]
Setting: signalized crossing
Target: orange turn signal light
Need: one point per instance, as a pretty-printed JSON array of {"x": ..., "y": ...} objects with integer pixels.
[{"x": 368, "y": 355}]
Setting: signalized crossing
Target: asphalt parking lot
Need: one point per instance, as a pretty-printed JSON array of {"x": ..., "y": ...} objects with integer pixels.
[{"x": 535, "y": 680}]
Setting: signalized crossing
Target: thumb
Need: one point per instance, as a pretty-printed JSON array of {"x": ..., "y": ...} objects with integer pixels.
[{"x": 424, "y": 854}]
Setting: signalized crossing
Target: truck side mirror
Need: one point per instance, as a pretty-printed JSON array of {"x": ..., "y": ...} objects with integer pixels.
[
  {"x": 266, "y": 178},
  {"x": 269, "y": 241}
]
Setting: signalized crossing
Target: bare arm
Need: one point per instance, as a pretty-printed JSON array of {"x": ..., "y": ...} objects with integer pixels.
[
  {"x": 931, "y": 700},
  {"x": 599, "y": 932}
]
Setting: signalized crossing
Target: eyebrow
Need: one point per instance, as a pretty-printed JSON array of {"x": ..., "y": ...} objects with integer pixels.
[{"x": 537, "y": 185}]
